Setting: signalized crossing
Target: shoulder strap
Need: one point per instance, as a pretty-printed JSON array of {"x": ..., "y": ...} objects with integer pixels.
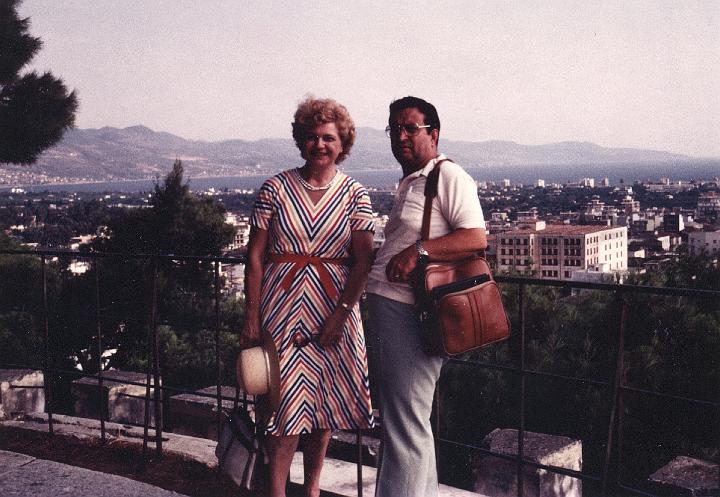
[{"x": 431, "y": 190}]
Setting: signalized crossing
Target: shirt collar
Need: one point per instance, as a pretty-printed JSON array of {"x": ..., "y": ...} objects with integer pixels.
[{"x": 425, "y": 171}]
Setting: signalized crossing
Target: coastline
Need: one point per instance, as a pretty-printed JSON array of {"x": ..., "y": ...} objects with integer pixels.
[{"x": 382, "y": 178}]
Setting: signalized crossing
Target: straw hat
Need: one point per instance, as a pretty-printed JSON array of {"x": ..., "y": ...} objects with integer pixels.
[{"x": 258, "y": 372}]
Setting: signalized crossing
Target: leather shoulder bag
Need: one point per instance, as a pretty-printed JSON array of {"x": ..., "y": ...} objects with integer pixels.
[{"x": 459, "y": 303}]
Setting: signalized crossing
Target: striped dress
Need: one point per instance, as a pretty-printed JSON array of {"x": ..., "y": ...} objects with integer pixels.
[{"x": 320, "y": 387}]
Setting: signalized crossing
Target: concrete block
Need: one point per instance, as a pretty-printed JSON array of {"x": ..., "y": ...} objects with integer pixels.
[
  {"x": 195, "y": 414},
  {"x": 21, "y": 392},
  {"x": 685, "y": 476},
  {"x": 123, "y": 402},
  {"x": 498, "y": 477}
]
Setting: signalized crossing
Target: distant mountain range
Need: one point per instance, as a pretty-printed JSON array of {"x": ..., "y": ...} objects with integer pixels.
[{"x": 138, "y": 152}]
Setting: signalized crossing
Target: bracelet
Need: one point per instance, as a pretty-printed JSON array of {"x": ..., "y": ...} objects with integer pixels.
[{"x": 346, "y": 306}]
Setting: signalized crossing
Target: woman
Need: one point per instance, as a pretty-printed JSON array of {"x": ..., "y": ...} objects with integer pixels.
[{"x": 309, "y": 254}]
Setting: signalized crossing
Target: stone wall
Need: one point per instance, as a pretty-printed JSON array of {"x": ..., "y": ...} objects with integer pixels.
[
  {"x": 21, "y": 392},
  {"x": 498, "y": 477},
  {"x": 123, "y": 402}
]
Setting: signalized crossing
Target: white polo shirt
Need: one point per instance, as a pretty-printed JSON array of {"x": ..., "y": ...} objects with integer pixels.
[{"x": 456, "y": 206}]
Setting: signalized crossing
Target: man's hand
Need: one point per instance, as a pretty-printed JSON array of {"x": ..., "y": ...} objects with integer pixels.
[{"x": 401, "y": 265}]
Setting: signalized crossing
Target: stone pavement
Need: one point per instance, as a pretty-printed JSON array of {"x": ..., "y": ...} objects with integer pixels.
[
  {"x": 338, "y": 477},
  {"x": 25, "y": 476}
]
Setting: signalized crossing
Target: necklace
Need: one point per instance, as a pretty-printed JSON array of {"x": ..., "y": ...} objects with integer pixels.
[{"x": 313, "y": 188}]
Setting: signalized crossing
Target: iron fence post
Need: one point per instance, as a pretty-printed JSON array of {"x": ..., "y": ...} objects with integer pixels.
[
  {"x": 358, "y": 439},
  {"x": 616, "y": 394},
  {"x": 621, "y": 393},
  {"x": 99, "y": 352},
  {"x": 436, "y": 400},
  {"x": 150, "y": 368},
  {"x": 521, "y": 421},
  {"x": 47, "y": 360},
  {"x": 158, "y": 389},
  {"x": 218, "y": 369}
]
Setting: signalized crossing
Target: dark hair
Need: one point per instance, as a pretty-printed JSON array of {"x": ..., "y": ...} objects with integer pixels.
[{"x": 426, "y": 108}]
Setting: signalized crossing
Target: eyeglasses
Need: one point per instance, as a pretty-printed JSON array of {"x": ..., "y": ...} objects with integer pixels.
[{"x": 409, "y": 129}]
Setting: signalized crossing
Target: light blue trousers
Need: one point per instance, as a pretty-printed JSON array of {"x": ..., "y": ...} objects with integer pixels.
[{"x": 406, "y": 379}]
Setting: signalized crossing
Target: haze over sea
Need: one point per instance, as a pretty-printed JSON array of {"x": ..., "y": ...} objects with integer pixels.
[{"x": 386, "y": 178}]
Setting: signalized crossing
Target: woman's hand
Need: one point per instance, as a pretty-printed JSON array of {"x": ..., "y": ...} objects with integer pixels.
[
  {"x": 254, "y": 268},
  {"x": 334, "y": 327},
  {"x": 250, "y": 334}
]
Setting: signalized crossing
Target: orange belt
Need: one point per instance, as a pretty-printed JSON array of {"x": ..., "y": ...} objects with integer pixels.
[{"x": 301, "y": 261}]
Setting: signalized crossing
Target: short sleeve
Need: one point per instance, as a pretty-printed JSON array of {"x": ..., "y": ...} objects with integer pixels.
[
  {"x": 458, "y": 198},
  {"x": 264, "y": 207},
  {"x": 361, "y": 217}
]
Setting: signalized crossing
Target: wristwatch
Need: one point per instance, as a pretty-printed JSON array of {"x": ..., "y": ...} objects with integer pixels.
[{"x": 422, "y": 255}]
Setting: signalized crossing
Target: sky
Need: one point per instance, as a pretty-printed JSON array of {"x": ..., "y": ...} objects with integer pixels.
[{"x": 631, "y": 73}]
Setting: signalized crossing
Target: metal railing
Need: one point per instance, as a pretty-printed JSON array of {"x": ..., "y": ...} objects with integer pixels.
[{"x": 609, "y": 479}]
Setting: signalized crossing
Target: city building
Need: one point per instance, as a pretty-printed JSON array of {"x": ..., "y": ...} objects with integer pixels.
[
  {"x": 630, "y": 205},
  {"x": 704, "y": 241},
  {"x": 708, "y": 207},
  {"x": 673, "y": 222},
  {"x": 242, "y": 231},
  {"x": 559, "y": 251},
  {"x": 380, "y": 222}
]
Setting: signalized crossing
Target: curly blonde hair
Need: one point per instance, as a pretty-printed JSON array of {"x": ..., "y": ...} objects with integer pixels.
[{"x": 312, "y": 112}]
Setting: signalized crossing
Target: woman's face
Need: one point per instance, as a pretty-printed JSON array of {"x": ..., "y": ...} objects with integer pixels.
[{"x": 322, "y": 145}]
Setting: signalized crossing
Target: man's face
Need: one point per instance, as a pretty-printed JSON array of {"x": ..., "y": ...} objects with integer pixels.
[{"x": 412, "y": 151}]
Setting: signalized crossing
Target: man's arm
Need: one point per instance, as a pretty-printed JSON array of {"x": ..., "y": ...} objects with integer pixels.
[{"x": 456, "y": 245}]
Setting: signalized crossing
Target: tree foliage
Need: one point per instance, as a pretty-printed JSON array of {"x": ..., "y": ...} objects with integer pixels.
[
  {"x": 671, "y": 348},
  {"x": 35, "y": 110},
  {"x": 177, "y": 223}
]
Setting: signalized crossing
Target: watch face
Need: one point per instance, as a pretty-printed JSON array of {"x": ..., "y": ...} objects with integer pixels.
[
  {"x": 422, "y": 256},
  {"x": 420, "y": 249}
]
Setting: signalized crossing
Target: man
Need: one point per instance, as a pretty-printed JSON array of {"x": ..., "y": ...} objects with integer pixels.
[{"x": 405, "y": 375}]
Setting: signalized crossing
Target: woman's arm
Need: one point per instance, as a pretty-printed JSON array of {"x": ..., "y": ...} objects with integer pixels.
[
  {"x": 456, "y": 245},
  {"x": 362, "y": 254},
  {"x": 254, "y": 268}
]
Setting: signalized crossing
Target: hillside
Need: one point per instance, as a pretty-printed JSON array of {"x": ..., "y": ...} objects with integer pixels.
[{"x": 138, "y": 152}]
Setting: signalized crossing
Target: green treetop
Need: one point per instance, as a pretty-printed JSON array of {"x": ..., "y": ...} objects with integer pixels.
[{"x": 35, "y": 110}]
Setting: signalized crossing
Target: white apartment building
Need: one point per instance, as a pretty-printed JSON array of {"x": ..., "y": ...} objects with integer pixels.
[
  {"x": 242, "y": 231},
  {"x": 708, "y": 205},
  {"x": 380, "y": 222},
  {"x": 707, "y": 241},
  {"x": 629, "y": 205},
  {"x": 558, "y": 251}
]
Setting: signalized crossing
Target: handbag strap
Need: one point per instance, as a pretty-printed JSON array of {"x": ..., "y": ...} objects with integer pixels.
[{"x": 431, "y": 191}]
